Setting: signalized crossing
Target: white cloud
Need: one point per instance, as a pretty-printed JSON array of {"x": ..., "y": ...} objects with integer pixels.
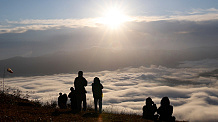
[
  {"x": 201, "y": 11},
  {"x": 192, "y": 17},
  {"x": 125, "y": 90},
  {"x": 202, "y": 17},
  {"x": 37, "y": 24},
  {"x": 25, "y": 25}
]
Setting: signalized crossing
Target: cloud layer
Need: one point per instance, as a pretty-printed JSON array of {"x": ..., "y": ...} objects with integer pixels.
[
  {"x": 194, "y": 98},
  {"x": 35, "y": 37},
  {"x": 41, "y": 39},
  {"x": 22, "y": 26}
]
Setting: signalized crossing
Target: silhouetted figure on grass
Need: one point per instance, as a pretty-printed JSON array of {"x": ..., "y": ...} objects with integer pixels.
[
  {"x": 72, "y": 96},
  {"x": 61, "y": 101},
  {"x": 166, "y": 110},
  {"x": 64, "y": 100},
  {"x": 79, "y": 84},
  {"x": 149, "y": 109},
  {"x": 97, "y": 93}
]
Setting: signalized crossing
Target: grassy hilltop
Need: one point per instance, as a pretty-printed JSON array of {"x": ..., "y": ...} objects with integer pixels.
[{"x": 17, "y": 108}]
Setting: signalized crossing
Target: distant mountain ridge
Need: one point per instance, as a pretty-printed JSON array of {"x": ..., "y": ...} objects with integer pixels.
[{"x": 98, "y": 59}]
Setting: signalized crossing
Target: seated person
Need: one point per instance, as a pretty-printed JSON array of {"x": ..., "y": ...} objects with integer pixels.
[
  {"x": 64, "y": 100},
  {"x": 149, "y": 109},
  {"x": 166, "y": 110},
  {"x": 72, "y": 96},
  {"x": 60, "y": 101}
]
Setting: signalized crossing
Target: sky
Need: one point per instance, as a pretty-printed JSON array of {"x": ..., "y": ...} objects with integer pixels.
[
  {"x": 31, "y": 28},
  {"x": 70, "y": 9},
  {"x": 38, "y": 27},
  {"x": 193, "y": 98}
]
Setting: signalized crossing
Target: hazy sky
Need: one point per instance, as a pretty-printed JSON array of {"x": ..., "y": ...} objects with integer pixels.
[
  {"x": 71, "y": 9},
  {"x": 37, "y": 27}
]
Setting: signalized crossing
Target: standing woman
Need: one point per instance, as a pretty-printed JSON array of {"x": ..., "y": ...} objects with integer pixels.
[{"x": 97, "y": 93}]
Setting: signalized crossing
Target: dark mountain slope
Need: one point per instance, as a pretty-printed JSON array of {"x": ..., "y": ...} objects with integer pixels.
[{"x": 98, "y": 59}]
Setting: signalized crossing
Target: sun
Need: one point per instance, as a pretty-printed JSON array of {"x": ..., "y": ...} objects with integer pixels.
[{"x": 114, "y": 18}]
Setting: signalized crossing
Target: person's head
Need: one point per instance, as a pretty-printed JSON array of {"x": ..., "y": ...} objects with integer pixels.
[
  {"x": 96, "y": 80},
  {"x": 165, "y": 101},
  {"x": 80, "y": 73},
  {"x": 149, "y": 101},
  {"x": 71, "y": 88},
  {"x": 60, "y": 93}
]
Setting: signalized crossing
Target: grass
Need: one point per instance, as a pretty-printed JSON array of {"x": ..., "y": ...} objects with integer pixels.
[{"x": 16, "y": 107}]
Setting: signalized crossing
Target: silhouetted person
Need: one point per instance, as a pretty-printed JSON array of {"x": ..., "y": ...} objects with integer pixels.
[
  {"x": 97, "y": 93},
  {"x": 79, "y": 84},
  {"x": 60, "y": 101},
  {"x": 166, "y": 110},
  {"x": 149, "y": 109},
  {"x": 64, "y": 100},
  {"x": 72, "y": 96}
]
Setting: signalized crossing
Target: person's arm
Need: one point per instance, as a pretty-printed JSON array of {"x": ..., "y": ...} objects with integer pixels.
[
  {"x": 171, "y": 112},
  {"x": 85, "y": 82},
  {"x": 155, "y": 107},
  {"x": 75, "y": 83},
  {"x": 102, "y": 86},
  {"x": 92, "y": 88},
  {"x": 143, "y": 108},
  {"x": 70, "y": 95},
  {"x": 159, "y": 110}
]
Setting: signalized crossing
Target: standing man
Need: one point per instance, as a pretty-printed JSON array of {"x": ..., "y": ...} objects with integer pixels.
[{"x": 79, "y": 84}]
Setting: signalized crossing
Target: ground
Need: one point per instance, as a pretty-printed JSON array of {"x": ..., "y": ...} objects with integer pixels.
[{"x": 14, "y": 108}]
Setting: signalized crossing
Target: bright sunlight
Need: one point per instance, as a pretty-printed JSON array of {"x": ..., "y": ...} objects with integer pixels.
[{"x": 114, "y": 18}]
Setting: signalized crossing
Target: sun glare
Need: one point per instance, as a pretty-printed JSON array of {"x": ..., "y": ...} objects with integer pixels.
[{"x": 114, "y": 18}]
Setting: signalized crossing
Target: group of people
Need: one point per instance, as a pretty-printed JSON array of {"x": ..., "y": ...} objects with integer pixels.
[
  {"x": 78, "y": 95},
  {"x": 164, "y": 112},
  {"x": 62, "y": 101}
]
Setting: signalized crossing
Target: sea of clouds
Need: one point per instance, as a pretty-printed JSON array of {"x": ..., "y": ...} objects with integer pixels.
[{"x": 194, "y": 98}]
